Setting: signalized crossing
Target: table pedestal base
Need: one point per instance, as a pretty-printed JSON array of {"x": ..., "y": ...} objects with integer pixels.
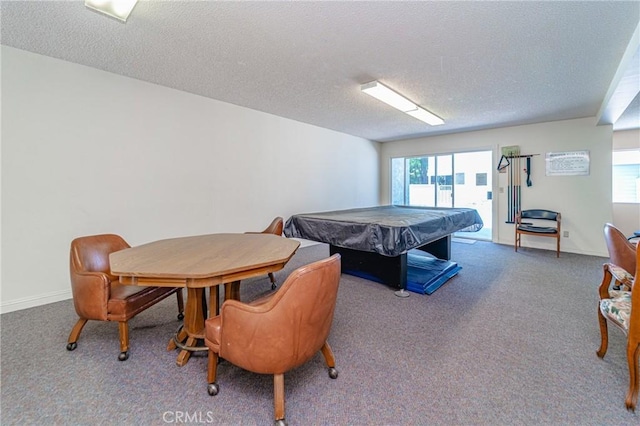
[{"x": 187, "y": 336}]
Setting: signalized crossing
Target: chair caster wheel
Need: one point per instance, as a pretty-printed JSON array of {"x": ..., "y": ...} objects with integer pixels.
[
  {"x": 123, "y": 356},
  {"x": 333, "y": 373},
  {"x": 72, "y": 346},
  {"x": 213, "y": 389},
  {"x": 281, "y": 422},
  {"x": 273, "y": 286},
  {"x": 180, "y": 316}
]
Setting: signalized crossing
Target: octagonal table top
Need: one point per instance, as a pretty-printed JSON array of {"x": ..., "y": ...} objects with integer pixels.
[{"x": 215, "y": 258}]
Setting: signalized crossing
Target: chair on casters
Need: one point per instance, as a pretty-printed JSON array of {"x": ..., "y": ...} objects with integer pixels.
[
  {"x": 232, "y": 290},
  {"x": 97, "y": 295},
  {"x": 275, "y": 228},
  {"x": 622, "y": 308},
  {"x": 539, "y": 227},
  {"x": 279, "y": 332}
]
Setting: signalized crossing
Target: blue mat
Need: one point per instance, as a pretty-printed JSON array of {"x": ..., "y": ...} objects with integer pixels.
[{"x": 426, "y": 274}]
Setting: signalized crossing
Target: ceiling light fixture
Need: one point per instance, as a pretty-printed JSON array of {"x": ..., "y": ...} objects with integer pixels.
[
  {"x": 119, "y": 9},
  {"x": 396, "y": 100}
]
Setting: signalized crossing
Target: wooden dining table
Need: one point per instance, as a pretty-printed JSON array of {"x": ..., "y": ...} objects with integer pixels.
[{"x": 197, "y": 263}]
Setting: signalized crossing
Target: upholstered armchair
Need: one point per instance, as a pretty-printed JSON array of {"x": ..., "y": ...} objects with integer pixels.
[
  {"x": 97, "y": 294},
  {"x": 282, "y": 331},
  {"x": 232, "y": 290},
  {"x": 622, "y": 309},
  {"x": 275, "y": 228},
  {"x": 622, "y": 252}
]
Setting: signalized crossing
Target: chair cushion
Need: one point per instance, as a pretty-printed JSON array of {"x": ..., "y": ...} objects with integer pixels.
[
  {"x": 126, "y": 301},
  {"x": 617, "y": 308},
  {"x": 538, "y": 229}
]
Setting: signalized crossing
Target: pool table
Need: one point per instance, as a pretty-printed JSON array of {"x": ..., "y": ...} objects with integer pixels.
[{"x": 375, "y": 241}]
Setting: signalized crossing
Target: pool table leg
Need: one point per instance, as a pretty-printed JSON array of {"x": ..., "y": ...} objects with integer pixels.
[
  {"x": 390, "y": 270},
  {"x": 439, "y": 248}
]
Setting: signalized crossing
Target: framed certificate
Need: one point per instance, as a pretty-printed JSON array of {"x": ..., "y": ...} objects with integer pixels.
[{"x": 571, "y": 163}]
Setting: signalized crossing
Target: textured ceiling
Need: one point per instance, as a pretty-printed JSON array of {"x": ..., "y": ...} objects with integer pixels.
[{"x": 476, "y": 64}]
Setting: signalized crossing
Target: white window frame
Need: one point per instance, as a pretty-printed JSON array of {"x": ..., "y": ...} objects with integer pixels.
[{"x": 625, "y": 176}]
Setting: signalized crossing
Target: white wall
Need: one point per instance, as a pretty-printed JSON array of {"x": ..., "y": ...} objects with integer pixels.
[
  {"x": 584, "y": 201},
  {"x": 626, "y": 216},
  {"x": 85, "y": 152}
]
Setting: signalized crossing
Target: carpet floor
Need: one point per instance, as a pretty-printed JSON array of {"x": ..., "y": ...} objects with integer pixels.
[{"x": 510, "y": 340}]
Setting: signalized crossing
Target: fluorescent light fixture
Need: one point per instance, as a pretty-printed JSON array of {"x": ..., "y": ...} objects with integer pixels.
[
  {"x": 119, "y": 9},
  {"x": 396, "y": 100},
  {"x": 426, "y": 116},
  {"x": 388, "y": 96}
]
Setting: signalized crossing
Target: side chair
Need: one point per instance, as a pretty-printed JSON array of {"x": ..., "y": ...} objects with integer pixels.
[
  {"x": 279, "y": 332},
  {"x": 544, "y": 223},
  {"x": 622, "y": 309},
  {"x": 98, "y": 295}
]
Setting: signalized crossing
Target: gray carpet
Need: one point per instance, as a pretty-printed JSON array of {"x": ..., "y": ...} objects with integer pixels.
[{"x": 510, "y": 340}]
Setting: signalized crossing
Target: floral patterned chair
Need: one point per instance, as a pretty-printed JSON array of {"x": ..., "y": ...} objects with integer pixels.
[
  {"x": 622, "y": 308},
  {"x": 622, "y": 252}
]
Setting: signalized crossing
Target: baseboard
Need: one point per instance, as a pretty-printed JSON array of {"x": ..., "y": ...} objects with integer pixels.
[
  {"x": 31, "y": 302},
  {"x": 553, "y": 248}
]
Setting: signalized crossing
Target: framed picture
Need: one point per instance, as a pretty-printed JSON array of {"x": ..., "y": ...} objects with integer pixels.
[{"x": 570, "y": 163}]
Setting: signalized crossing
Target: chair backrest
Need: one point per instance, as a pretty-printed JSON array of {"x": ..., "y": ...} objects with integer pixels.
[
  {"x": 90, "y": 273},
  {"x": 634, "y": 317},
  {"x": 621, "y": 252},
  {"x": 539, "y": 214},
  {"x": 282, "y": 332},
  {"x": 275, "y": 227},
  {"x": 91, "y": 253}
]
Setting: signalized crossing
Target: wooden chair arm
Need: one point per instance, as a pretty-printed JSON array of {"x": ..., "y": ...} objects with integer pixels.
[{"x": 613, "y": 272}]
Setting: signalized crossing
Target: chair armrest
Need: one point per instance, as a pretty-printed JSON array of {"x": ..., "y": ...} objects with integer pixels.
[
  {"x": 91, "y": 292},
  {"x": 256, "y": 337},
  {"x": 611, "y": 271}
]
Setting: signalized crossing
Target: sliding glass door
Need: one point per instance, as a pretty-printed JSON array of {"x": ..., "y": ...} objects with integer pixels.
[{"x": 446, "y": 180}]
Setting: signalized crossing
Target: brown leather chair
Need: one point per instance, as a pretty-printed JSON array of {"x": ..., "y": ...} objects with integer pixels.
[
  {"x": 621, "y": 251},
  {"x": 275, "y": 228},
  {"x": 279, "y": 332},
  {"x": 622, "y": 308},
  {"x": 97, "y": 295},
  {"x": 232, "y": 290},
  {"x": 544, "y": 223}
]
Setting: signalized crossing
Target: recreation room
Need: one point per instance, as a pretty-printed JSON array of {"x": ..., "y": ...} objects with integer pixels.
[{"x": 207, "y": 155}]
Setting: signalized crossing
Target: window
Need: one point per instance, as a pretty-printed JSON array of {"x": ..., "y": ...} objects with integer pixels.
[
  {"x": 461, "y": 179},
  {"x": 626, "y": 176}
]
